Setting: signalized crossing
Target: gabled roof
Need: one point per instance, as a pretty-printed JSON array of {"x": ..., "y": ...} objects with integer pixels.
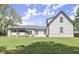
[{"x": 53, "y": 18}]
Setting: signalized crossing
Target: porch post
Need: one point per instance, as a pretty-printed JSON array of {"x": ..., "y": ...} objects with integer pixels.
[
  {"x": 9, "y": 32},
  {"x": 33, "y": 32}
]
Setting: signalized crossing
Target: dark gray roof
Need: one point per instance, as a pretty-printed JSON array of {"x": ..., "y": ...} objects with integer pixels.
[
  {"x": 53, "y": 18},
  {"x": 27, "y": 27}
]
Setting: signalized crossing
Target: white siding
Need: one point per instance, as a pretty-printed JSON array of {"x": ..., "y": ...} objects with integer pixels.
[
  {"x": 33, "y": 33},
  {"x": 54, "y": 27},
  {"x": 8, "y": 33},
  {"x": 13, "y": 33},
  {"x": 20, "y": 33},
  {"x": 40, "y": 34}
]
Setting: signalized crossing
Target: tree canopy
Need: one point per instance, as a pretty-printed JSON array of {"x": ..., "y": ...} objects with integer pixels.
[
  {"x": 8, "y": 16},
  {"x": 76, "y": 21}
]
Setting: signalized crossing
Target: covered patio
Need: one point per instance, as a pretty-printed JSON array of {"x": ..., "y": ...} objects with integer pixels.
[{"x": 26, "y": 31}]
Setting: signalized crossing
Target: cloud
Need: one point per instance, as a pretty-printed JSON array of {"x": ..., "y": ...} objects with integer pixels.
[
  {"x": 40, "y": 22},
  {"x": 27, "y": 5},
  {"x": 51, "y": 13},
  {"x": 44, "y": 12},
  {"x": 67, "y": 11},
  {"x": 48, "y": 5},
  {"x": 57, "y": 6},
  {"x": 27, "y": 16},
  {"x": 73, "y": 12},
  {"x": 28, "y": 23},
  {"x": 32, "y": 23},
  {"x": 32, "y": 12},
  {"x": 74, "y": 9},
  {"x": 72, "y": 17},
  {"x": 48, "y": 11},
  {"x": 29, "y": 13}
]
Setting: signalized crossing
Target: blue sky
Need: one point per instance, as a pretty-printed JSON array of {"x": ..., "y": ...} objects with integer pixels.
[{"x": 36, "y": 14}]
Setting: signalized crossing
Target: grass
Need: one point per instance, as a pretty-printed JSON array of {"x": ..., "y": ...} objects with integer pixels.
[
  {"x": 38, "y": 45},
  {"x": 15, "y": 41}
]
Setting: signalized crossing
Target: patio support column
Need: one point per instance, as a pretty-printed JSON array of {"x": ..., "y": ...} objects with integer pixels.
[
  {"x": 9, "y": 32},
  {"x": 33, "y": 32}
]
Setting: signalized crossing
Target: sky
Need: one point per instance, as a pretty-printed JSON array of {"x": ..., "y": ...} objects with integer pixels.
[{"x": 36, "y": 14}]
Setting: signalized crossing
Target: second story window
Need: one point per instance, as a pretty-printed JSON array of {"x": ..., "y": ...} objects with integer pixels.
[{"x": 61, "y": 19}]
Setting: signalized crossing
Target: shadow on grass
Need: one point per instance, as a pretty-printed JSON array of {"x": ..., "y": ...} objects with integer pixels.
[{"x": 45, "y": 48}]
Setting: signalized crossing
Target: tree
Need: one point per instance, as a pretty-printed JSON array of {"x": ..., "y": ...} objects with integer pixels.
[
  {"x": 13, "y": 17},
  {"x": 76, "y": 21},
  {"x": 8, "y": 17}
]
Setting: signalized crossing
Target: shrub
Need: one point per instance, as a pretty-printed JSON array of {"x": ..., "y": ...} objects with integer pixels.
[
  {"x": 50, "y": 48},
  {"x": 45, "y": 48}
]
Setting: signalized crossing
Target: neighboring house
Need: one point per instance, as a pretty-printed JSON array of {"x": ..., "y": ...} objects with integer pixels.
[
  {"x": 58, "y": 26},
  {"x": 76, "y": 33}
]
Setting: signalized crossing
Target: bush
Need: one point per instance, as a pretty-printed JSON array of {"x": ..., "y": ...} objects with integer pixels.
[
  {"x": 49, "y": 48},
  {"x": 45, "y": 48}
]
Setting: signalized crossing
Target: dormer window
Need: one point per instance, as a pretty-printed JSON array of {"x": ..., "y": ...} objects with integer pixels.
[{"x": 61, "y": 19}]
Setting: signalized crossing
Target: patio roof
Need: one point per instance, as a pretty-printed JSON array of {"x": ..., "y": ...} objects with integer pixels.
[{"x": 27, "y": 27}]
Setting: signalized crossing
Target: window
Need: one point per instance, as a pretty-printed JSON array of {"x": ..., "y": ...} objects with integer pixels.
[
  {"x": 44, "y": 32},
  {"x": 30, "y": 32},
  {"x": 61, "y": 29},
  {"x": 21, "y": 30},
  {"x": 61, "y": 19},
  {"x": 36, "y": 32}
]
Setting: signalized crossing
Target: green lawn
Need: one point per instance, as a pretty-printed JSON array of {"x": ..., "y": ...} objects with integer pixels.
[{"x": 15, "y": 41}]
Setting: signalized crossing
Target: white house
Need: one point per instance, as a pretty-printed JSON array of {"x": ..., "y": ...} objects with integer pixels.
[{"x": 59, "y": 26}]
